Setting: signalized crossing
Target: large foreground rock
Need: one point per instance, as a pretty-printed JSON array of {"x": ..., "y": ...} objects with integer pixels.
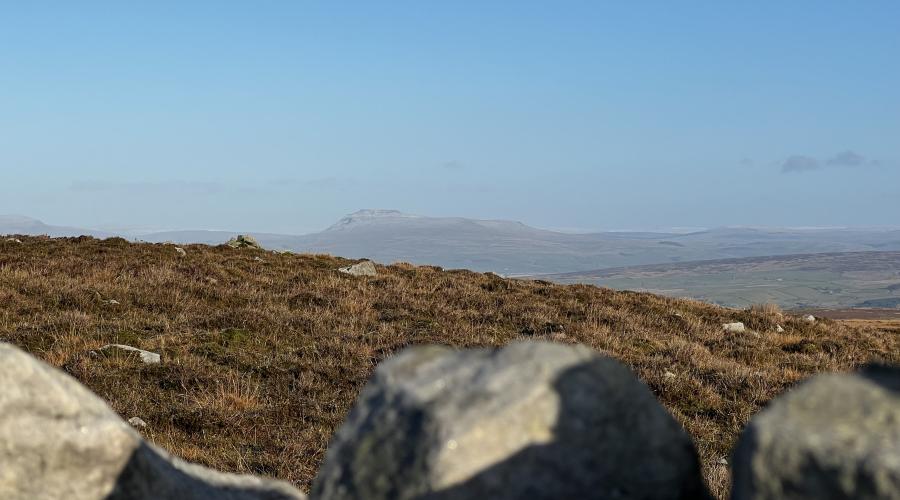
[
  {"x": 833, "y": 437},
  {"x": 533, "y": 420},
  {"x": 60, "y": 441}
]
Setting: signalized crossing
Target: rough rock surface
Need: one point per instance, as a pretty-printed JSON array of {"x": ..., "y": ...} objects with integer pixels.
[
  {"x": 533, "y": 420},
  {"x": 737, "y": 327},
  {"x": 364, "y": 268},
  {"x": 60, "y": 441},
  {"x": 137, "y": 422},
  {"x": 244, "y": 241},
  {"x": 833, "y": 437},
  {"x": 146, "y": 356}
]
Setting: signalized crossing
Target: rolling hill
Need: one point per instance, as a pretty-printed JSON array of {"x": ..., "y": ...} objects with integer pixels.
[{"x": 513, "y": 248}]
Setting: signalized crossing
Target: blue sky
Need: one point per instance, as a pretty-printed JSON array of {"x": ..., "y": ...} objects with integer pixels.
[{"x": 283, "y": 116}]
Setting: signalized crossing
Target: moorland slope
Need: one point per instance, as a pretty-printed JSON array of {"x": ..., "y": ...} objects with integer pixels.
[{"x": 263, "y": 353}]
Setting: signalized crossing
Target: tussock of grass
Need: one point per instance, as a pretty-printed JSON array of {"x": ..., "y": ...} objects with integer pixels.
[{"x": 263, "y": 359}]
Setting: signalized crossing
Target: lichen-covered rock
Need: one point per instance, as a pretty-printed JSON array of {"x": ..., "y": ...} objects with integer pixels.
[
  {"x": 833, "y": 437},
  {"x": 364, "y": 268},
  {"x": 60, "y": 441},
  {"x": 533, "y": 420}
]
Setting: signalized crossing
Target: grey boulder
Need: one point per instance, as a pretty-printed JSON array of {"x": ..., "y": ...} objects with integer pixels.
[
  {"x": 244, "y": 241},
  {"x": 532, "y": 420},
  {"x": 737, "y": 327},
  {"x": 833, "y": 437},
  {"x": 60, "y": 441},
  {"x": 364, "y": 268}
]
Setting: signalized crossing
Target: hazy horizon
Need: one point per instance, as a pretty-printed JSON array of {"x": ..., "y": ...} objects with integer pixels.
[
  {"x": 569, "y": 116},
  {"x": 138, "y": 231}
]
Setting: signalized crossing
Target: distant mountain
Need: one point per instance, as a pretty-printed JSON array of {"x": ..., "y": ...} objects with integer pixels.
[
  {"x": 513, "y": 248},
  {"x": 19, "y": 224}
]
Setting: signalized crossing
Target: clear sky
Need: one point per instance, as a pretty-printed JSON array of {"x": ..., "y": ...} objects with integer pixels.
[{"x": 283, "y": 116}]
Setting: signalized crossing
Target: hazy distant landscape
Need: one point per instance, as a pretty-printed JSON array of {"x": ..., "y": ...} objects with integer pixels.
[
  {"x": 795, "y": 268},
  {"x": 829, "y": 280},
  {"x": 510, "y": 247}
]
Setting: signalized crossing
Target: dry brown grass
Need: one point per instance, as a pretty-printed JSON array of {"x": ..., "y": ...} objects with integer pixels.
[{"x": 262, "y": 360}]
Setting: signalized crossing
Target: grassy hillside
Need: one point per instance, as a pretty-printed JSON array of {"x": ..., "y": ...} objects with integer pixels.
[{"x": 264, "y": 353}]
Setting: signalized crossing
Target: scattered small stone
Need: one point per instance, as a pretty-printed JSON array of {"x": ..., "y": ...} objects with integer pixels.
[
  {"x": 809, "y": 318},
  {"x": 14, "y": 240},
  {"x": 137, "y": 423},
  {"x": 146, "y": 356},
  {"x": 736, "y": 327},
  {"x": 723, "y": 461},
  {"x": 364, "y": 268},
  {"x": 258, "y": 259},
  {"x": 779, "y": 329},
  {"x": 669, "y": 374},
  {"x": 180, "y": 251},
  {"x": 112, "y": 302},
  {"x": 244, "y": 241},
  {"x": 211, "y": 280}
]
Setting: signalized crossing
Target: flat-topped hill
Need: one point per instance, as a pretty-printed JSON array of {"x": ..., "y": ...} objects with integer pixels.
[{"x": 263, "y": 354}]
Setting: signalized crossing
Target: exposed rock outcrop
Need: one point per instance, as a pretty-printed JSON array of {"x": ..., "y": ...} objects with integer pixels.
[
  {"x": 244, "y": 241},
  {"x": 364, "y": 268},
  {"x": 60, "y": 441},
  {"x": 833, "y": 437},
  {"x": 533, "y": 420}
]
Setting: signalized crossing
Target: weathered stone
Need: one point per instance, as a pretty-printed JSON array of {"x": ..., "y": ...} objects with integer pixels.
[
  {"x": 14, "y": 240},
  {"x": 244, "y": 241},
  {"x": 60, "y": 441},
  {"x": 364, "y": 268},
  {"x": 146, "y": 356},
  {"x": 137, "y": 422},
  {"x": 779, "y": 329},
  {"x": 736, "y": 327},
  {"x": 181, "y": 251},
  {"x": 833, "y": 437},
  {"x": 533, "y": 420},
  {"x": 809, "y": 318}
]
